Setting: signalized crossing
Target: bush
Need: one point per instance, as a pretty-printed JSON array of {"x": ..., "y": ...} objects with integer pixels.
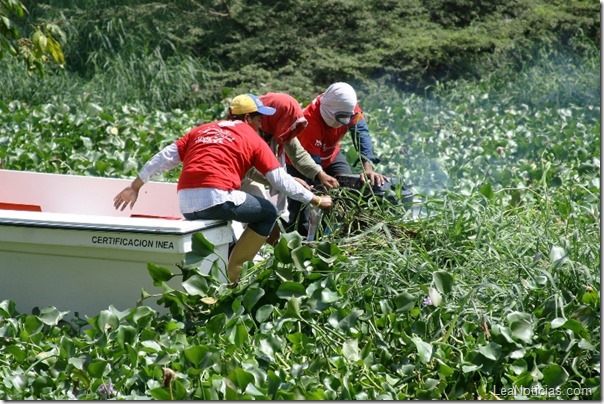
[{"x": 302, "y": 47}]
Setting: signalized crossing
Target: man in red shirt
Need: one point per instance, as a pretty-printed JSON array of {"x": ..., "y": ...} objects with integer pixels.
[
  {"x": 280, "y": 131},
  {"x": 330, "y": 115},
  {"x": 215, "y": 156}
]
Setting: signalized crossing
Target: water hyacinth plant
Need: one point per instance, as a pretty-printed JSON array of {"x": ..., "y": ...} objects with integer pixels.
[{"x": 487, "y": 287}]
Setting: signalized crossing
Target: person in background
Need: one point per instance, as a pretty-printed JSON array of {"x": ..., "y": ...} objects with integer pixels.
[
  {"x": 215, "y": 156},
  {"x": 330, "y": 116},
  {"x": 280, "y": 131}
]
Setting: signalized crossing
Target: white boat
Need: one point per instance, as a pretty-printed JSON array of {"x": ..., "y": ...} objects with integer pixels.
[{"x": 63, "y": 244}]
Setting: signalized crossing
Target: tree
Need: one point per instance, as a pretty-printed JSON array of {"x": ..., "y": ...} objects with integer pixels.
[{"x": 34, "y": 49}]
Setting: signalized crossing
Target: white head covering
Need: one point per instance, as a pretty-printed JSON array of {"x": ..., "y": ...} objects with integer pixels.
[{"x": 338, "y": 98}]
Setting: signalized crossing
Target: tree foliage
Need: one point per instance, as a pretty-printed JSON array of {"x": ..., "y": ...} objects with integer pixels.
[
  {"x": 42, "y": 44},
  {"x": 301, "y": 47}
]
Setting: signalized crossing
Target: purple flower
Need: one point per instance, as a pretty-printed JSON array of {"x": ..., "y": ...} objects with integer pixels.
[
  {"x": 427, "y": 301},
  {"x": 106, "y": 390}
]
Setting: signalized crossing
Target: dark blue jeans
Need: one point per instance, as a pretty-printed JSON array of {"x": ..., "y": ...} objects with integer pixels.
[{"x": 259, "y": 213}]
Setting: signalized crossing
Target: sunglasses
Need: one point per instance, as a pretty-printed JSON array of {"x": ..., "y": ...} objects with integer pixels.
[{"x": 344, "y": 117}]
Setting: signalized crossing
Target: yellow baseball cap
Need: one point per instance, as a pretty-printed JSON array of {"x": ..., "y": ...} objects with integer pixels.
[{"x": 248, "y": 103}]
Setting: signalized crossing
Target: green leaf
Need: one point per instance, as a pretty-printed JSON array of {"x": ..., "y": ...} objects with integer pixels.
[
  {"x": 300, "y": 255},
  {"x": 18, "y": 353},
  {"x": 40, "y": 41},
  {"x": 576, "y": 327},
  {"x": 251, "y": 297},
  {"x": 253, "y": 391},
  {"x": 431, "y": 383},
  {"x": 266, "y": 350},
  {"x": 591, "y": 297},
  {"x": 192, "y": 259},
  {"x": 126, "y": 335},
  {"x": 6, "y": 21},
  {"x": 241, "y": 378},
  {"x": 385, "y": 306},
  {"x": 519, "y": 366},
  {"x": 196, "y": 285},
  {"x": 264, "y": 313},
  {"x": 470, "y": 368},
  {"x": 329, "y": 296},
  {"x": 179, "y": 390},
  {"x": 491, "y": 351},
  {"x": 424, "y": 349},
  {"x": 40, "y": 383},
  {"x": 522, "y": 330},
  {"x": 33, "y": 325},
  {"x": 289, "y": 289},
  {"x": 237, "y": 307},
  {"x": 77, "y": 363},
  {"x": 217, "y": 271},
  {"x": 159, "y": 274},
  {"x": 54, "y": 48},
  {"x": 487, "y": 190},
  {"x": 142, "y": 315},
  {"x": 88, "y": 143},
  {"x": 51, "y": 316},
  {"x": 240, "y": 335},
  {"x": 350, "y": 349},
  {"x": 517, "y": 315},
  {"x": 554, "y": 375},
  {"x": 404, "y": 301},
  {"x": 230, "y": 390},
  {"x": 518, "y": 353},
  {"x": 149, "y": 346},
  {"x": 328, "y": 252},
  {"x": 98, "y": 368},
  {"x": 285, "y": 273},
  {"x": 108, "y": 321},
  {"x": 349, "y": 321},
  {"x": 201, "y": 245},
  {"x": 443, "y": 281},
  {"x": 525, "y": 379},
  {"x": 317, "y": 395},
  {"x": 274, "y": 381},
  {"x": 196, "y": 354},
  {"x": 160, "y": 394},
  {"x": 292, "y": 308},
  {"x": 294, "y": 240},
  {"x": 282, "y": 252},
  {"x": 8, "y": 308},
  {"x": 107, "y": 117},
  {"x": 445, "y": 370},
  {"x": 584, "y": 344},
  {"x": 216, "y": 324}
]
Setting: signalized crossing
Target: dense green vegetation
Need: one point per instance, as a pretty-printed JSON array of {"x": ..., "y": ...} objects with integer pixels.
[
  {"x": 182, "y": 53},
  {"x": 489, "y": 285},
  {"x": 493, "y": 285}
]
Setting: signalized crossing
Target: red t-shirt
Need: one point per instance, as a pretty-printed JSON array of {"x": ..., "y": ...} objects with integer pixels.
[
  {"x": 320, "y": 139},
  {"x": 218, "y": 154}
]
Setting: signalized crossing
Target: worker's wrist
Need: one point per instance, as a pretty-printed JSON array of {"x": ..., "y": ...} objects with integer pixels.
[
  {"x": 137, "y": 184},
  {"x": 316, "y": 200}
]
